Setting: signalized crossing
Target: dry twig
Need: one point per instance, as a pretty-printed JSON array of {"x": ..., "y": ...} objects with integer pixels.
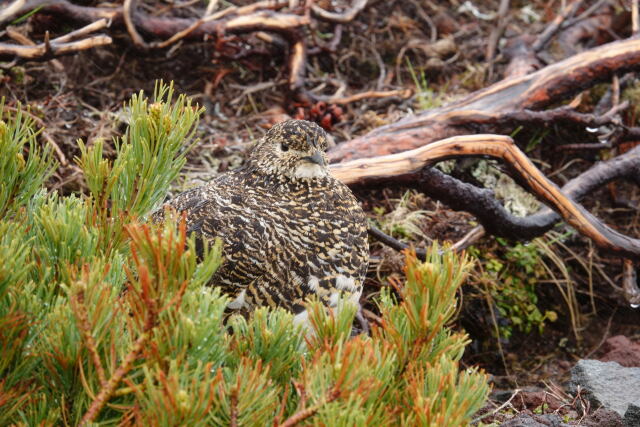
[
  {"x": 556, "y": 25},
  {"x": 50, "y": 49},
  {"x": 340, "y": 18},
  {"x": 630, "y": 283},
  {"x": 402, "y": 93},
  {"x": 259, "y": 16}
]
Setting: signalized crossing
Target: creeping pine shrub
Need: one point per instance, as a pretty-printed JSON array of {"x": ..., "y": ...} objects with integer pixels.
[{"x": 106, "y": 320}]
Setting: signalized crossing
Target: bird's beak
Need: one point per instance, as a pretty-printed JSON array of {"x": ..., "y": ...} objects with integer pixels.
[{"x": 317, "y": 158}]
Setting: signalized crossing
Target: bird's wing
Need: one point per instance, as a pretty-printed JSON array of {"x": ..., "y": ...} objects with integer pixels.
[
  {"x": 183, "y": 202},
  {"x": 267, "y": 289}
]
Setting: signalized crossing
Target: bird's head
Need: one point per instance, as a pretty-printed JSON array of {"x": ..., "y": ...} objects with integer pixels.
[{"x": 294, "y": 149}]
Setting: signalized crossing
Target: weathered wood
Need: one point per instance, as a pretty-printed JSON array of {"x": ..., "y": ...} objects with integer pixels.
[
  {"x": 409, "y": 167},
  {"x": 49, "y": 50},
  {"x": 384, "y": 168},
  {"x": 484, "y": 107},
  {"x": 231, "y": 20},
  {"x": 260, "y": 16}
]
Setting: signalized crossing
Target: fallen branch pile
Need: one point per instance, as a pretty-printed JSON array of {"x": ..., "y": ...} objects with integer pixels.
[
  {"x": 262, "y": 16},
  {"x": 403, "y": 152}
]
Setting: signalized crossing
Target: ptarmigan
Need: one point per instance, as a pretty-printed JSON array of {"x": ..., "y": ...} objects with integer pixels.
[{"x": 290, "y": 230}]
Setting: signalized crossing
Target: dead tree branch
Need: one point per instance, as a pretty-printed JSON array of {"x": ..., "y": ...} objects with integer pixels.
[
  {"x": 505, "y": 98},
  {"x": 469, "y": 239},
  {"x": 235, "y": 20},
  {"x": 401, "y": 93},
  {"x": 401, "y": 153},
  {"x": 59, "y": 46},
  {"x": 564, "y": 115},
  {"x": 12, "y": 10},
  {"x": 50, "y": 49},
  {"x": 127, "y": 14},
  {"x": 260, "y": 16},
  {"x": 409, "y": 168}
]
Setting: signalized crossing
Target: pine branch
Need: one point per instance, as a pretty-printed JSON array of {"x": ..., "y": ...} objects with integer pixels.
[
  {"x": 234, "y": 407},
  {"x": 303, "y": 414},
  {"x": 79, "y": 308},
  {"x": 153, "y": 345},
  {"x": 107, "y": 391},
  {"x": 123, "y": 369}
]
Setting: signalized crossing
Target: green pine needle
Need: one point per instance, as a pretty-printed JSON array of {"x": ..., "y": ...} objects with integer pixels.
[{"x": 106, "y": 320}]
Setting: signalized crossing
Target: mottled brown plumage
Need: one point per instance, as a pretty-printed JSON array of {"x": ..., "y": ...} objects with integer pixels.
[{"x": 289, "y": 228}]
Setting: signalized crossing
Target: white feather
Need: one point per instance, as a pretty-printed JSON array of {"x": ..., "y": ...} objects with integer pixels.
[
  {"x": 302, "y": 318},
  {"x": 239, "y": 301},
  {"x": 344, "y": 283},
  {"x": 310, "y": 170},
  {"x": 313, "y": 284}
]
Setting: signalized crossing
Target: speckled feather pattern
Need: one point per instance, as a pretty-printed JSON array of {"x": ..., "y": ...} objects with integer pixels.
[{"x": 289, "y": 228}]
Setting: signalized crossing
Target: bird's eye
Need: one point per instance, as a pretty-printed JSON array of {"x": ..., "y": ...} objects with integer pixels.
[{"x": 284, "y": 147}]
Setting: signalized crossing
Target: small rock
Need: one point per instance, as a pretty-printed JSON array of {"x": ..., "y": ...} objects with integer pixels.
[
  {"x": 607, "y": 384},
  {"x": 501, "y": 395},
  {"x": 532, "y": 420},
  {"x": 622, "y": 350},
  {"x": 534, "y": 399},
  {"x": 603, "y": 418},
  {"x": 632, "y": 416}
]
